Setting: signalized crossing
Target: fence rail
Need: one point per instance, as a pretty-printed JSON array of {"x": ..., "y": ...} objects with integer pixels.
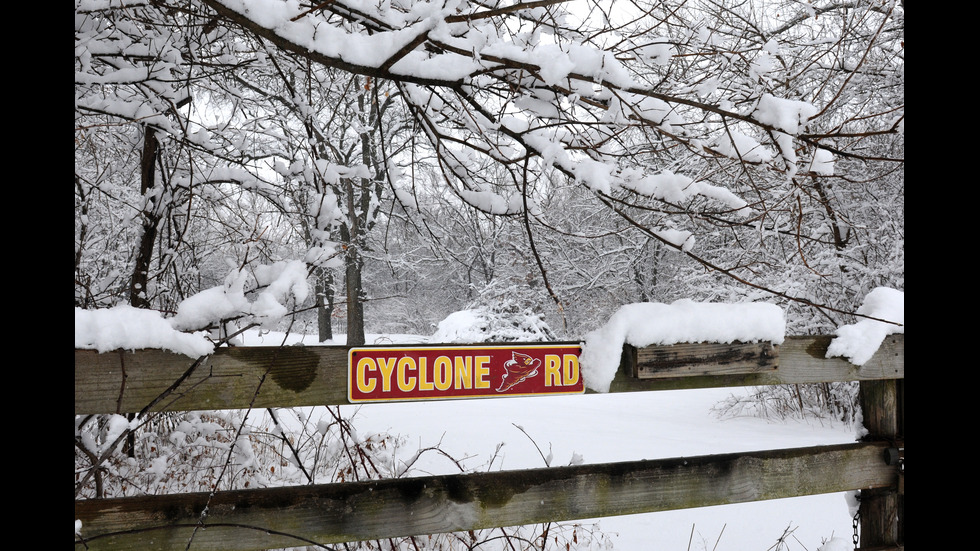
[
  {"x": 153, "y": 380},
  {"x": 296, "y": 376}
]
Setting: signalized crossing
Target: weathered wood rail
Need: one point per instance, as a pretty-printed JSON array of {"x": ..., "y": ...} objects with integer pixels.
[{"x": 153, "y": 380}]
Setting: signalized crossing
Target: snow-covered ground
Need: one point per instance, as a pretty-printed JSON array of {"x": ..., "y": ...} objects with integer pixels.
[{"x": 621, "y": 427}]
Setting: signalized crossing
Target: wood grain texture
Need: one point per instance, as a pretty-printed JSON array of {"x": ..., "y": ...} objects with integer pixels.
[
  {"x": 127, "y": 381},
  {"x": 278, "y": 517},
  {"x": 798, "y": 360},
  {"x": 691, "y": 360}
]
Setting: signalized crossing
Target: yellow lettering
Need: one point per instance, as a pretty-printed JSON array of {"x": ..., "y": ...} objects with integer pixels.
[
  {"x": 424, "y": 382},
  {"x": 552, "y": 366},
  {"x": 570, "y": 364},
  {"x": 364, "y": 365},
  {"x": 464, "y": 371},
  {"x": 447, "y": 372},
  {"x": 482, "y": 372},
  {"x": 405, "y": 383},
  {"x": 387, "y": 366},
  {"x": 442, "y": 371}
]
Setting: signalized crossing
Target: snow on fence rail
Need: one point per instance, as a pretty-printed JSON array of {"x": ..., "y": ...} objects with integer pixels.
[{"x": 153, "y": 380}]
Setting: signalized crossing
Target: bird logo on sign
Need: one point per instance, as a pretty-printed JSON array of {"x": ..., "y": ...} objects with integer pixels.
[{"x": 518, "y": 368}]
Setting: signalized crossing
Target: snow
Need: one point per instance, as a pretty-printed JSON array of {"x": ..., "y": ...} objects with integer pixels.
[
  {"x": 837, "y": 544},
  {"x": 278, "y": 282},
  {"x": 640, "y": 324},
  {"x": 376, "y": 49},
  {"x": 822, "y": 163},
  {"x": 132, "y": 328},
  {"x": 592, "y": 428},
  {"x": 739, "y": 146},
  {"x": 790, "y": 116},
  {"x": 659, "y": 51},
  {"x": 487, "y": 201},
  {"x": 461, "y": 326},
  {"x": 859, "y": 341},
  {"x": 646, "y": 324},
  {"x": 678, "y": 189}
]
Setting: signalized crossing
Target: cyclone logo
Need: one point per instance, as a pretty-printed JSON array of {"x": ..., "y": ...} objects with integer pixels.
[{"x": 518, "y": 368}]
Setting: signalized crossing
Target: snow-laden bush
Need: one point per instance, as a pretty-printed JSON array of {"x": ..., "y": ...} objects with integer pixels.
[
  {"x": 493, "y": 318},
  {"x": 832, "y": 402}
]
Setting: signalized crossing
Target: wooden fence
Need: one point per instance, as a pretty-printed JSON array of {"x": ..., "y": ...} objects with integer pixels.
[{"x": 293, "y": 376}]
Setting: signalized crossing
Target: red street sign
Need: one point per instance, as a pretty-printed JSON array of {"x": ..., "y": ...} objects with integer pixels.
[{"x": 446, "y": 372}]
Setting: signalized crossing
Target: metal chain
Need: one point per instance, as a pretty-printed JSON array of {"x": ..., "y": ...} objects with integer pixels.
[{"x": 855, "y": 523}]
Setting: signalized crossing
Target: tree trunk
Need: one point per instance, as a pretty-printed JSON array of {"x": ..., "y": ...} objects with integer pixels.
[
  {"x": 355, "y": 297},
  {"x": 324, "y": 303},
  {"x": 144, "y": 254},
  {"x": 351, "y": 233}
]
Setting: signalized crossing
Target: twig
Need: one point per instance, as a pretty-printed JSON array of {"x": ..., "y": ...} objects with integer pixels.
[{"x": 545, "y": 459}]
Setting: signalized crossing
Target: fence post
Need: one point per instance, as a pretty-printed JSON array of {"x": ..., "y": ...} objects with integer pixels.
[{"x": 882, "y": 510}]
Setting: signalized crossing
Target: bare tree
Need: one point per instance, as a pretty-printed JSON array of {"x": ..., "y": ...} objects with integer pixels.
[{"x": 700, "y": 109}]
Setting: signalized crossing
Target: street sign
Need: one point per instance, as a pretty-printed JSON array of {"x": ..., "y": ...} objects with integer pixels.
[{"x": 387, "y": 374}]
